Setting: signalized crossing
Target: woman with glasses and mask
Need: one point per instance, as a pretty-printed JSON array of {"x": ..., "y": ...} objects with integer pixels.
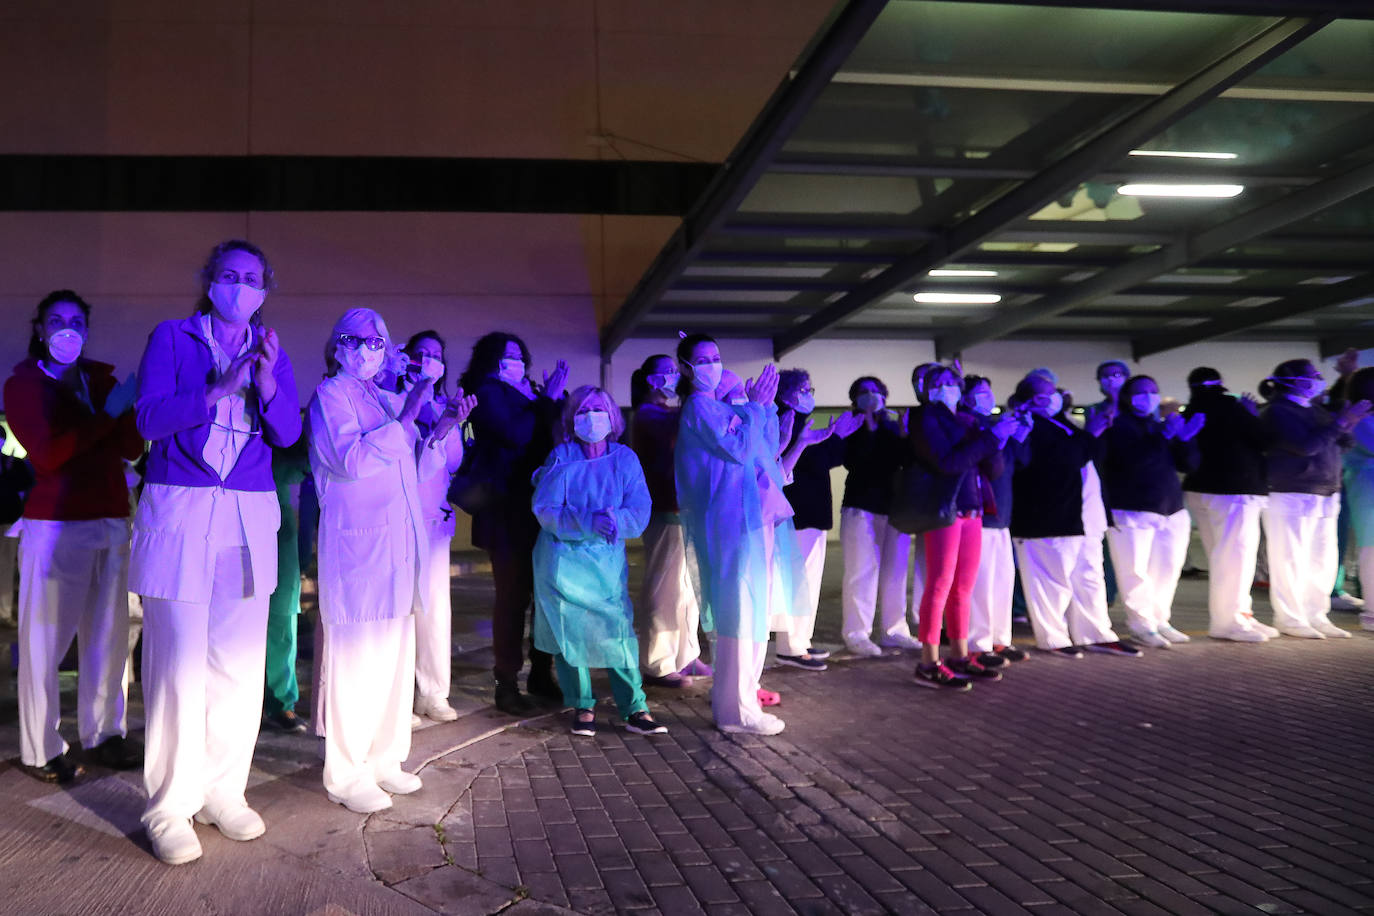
[
  {"x": 512, "y": 427},
  {"x": 372, "y": 534},
  {"x": 438, "y": 453},
  {"x": 215, "y": 395},
  {"x": 738, "y": 522},
  {"x": 667, "y": 614},
  {"x": 76, "y": 423},
  {"x": 1148, "y": 538},
  {"x": 590, "y": 496},
  {"x": 1304, "y": 474}
]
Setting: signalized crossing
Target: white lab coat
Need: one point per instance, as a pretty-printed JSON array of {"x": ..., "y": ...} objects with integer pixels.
[{"x": 436, "y": 460}]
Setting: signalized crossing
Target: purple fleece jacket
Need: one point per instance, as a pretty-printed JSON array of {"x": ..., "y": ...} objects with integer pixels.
[{"x": 176, "y": 371}]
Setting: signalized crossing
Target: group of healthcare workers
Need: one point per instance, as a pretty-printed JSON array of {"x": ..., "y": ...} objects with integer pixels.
[{"x": 727, "y": 481}]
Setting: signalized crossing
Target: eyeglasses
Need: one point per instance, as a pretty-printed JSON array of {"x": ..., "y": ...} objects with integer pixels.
[
  {"x": 349, "y": 342},
  {"x": 233, "y": 276}
]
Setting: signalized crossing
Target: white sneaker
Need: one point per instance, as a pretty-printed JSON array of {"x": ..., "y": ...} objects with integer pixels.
[
  {"x": 899, "y": 641},
  {"x": 1266, "y": 629},
  {"x": 862, "y": 647},
  {"x": 415, "y": 721},
  {"x": 1153, "y": 640},
  {"x": 1367, "y": 620},
  {"x": 1239, "y": 633},
  {"x": 436, "y": 708},
  {"x": 237, "y": 822},
  {"x": 766, "y": 724},
  {"x": 364, "y": 798},
  {"x": 175, "y": 842},
  {"x": 1172, "y": 635},
  {"x": 1302, "y": 632},
  {"x": 400, "y": 783},
  {"x": 1345, "y": 601},
  {"x": 1329, "y": 629}
]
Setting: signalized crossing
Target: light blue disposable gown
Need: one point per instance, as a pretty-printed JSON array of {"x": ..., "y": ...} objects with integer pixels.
[
  {"x": 722, "y": 449},
  {"x": 581, "y": 590},
  {"x": 1359, "y": 482}
]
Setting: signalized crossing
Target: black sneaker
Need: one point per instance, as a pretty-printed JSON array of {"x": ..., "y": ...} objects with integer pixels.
[
  {"x": 641, "y": 723},
  {"x": 1013, "y": 654},
  {"x": 801, "y": 661},
  {"x": 990, "y": 660},
  {"x": 584, "y": 723},
  {"x": 938, "y": 675},
  {"x": 117, "y": 753},
  {"x": 972, "y": 669},
  {"x": 511, "y": 701},
  {"x": 1067, "y": 652},
  {"x": 60, "y": 770},
  {"x": 285, "y": 720},
  {"x": 1115, "y": 648},
  {"x": 818, "y": 654}
]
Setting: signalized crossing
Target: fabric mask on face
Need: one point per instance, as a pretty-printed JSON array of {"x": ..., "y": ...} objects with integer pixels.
[
  {"x": 511, "y": 371},
  {"x": 870, "y": 402},
  {"x": 431, "y": 367},
  {"x": 947, "y": 395},
  {"x": 65, "y": 346},
  {"x": 983, "y": 403},
  {"x": 706, "y": 376},
  {"x": 236, "y": 302},
  {"x": 1145, "y": 404},
  {"x": 804, "y": 403},
  {"x": 1056, "y": 405},
  {"x": 593, "y": 426},
  {"x": 361, "y": 363}
]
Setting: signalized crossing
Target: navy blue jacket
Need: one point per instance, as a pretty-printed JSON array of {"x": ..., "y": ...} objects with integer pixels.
[
  {"x": 1230, "y": 447},
  {"x": 872, "y": 458},
  {"x": 1140, "y": 467},
  {"x": 1305, "y": 445},
  {"x": 512, "y": 436},
  {"x": 955, "y": 444},
  {"x": 809, "y": 492},
  {"x": 1048, "y": 488}
]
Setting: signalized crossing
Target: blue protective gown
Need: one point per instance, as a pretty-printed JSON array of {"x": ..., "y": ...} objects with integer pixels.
[
  {"x": 1359, "y": 482},
  {"x": 581, "y": 590},
  {"x": 723, "y": 451}
]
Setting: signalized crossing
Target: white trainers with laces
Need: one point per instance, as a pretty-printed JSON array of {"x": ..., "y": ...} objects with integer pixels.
[
  {"x": 1329, "y": 629},
  {"x": 1173, "y": 635},
  {"x": 862, "y": 647},
  {"x": 1239, "y": 633},
  {"x": 1153, "y": 640},
  {"x": 899, "y": 641},
  {"x": 1302, "y": 632}
]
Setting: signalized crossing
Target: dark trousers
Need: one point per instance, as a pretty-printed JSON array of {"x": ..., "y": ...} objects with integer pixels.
[{"x": 512, "y": 566}]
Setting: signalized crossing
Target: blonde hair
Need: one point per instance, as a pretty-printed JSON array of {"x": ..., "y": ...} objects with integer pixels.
[{"x": 563, "y": 429}]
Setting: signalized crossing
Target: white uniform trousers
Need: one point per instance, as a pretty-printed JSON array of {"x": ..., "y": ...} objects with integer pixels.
[
  {"x": 1229, "y": 525},
  {"x": 73, "y": 577},
  {"x": 876, "y": 560},
  {"x": 1301, "y": 532},
  {"x": 434, "y": 617},
  {"x": 202, "y": 692},
  {"x": 366, "y": 678},
  {"x": 1148, "y": 550},
  {"x": 1066, "y": 595},
  {"x": 989, "y": 622},
  {"x": 796, "y": 638},
  {"x": 667, "y": 614}
]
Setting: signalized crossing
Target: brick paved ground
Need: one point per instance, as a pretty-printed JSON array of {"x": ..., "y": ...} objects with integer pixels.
[{"x": 1213, "y": 778}]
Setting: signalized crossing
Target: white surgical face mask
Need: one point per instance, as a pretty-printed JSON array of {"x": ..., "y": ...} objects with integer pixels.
[
  {"x": 361, "y": 363},
  {"x": 870, "y": 402},
  {"x": 236, "y": 302},
  {"x": 1144, "y": 404},
  {"x": 593, "y": 426},
  {"x": 804, "y": 403},
  {"x": 983, "y": 403},
  {"x": 947, "y": 395},
  {"x": 665, "y": 383},
  {"x": 431, "y": 367},
  {"x": 706, "y": 376},
  {"x": 1056, "y": 405},
  {"x": 65, "y": 346},
  {"x": 511, "y": 370}
]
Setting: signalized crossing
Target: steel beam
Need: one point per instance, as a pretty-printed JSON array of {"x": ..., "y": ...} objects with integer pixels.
[
  {"x": 1318, "y": 298},
  {"x": 746, "y": 163},
  {"x": 1066, "y": 173}
]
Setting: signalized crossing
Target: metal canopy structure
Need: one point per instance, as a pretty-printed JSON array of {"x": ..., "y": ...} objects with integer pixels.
[{"x": 964, "y": 171}]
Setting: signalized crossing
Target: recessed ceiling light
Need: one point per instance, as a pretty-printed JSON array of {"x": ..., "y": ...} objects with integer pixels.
[
  {"x": 1181, "y": 154},
  {"x": 949, "y": 272},
  {"x": 1181, "y": 190},
  {"x": 958, "y": 298}
]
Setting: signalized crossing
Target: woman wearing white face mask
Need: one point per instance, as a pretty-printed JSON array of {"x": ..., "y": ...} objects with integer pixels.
[
  {"x": 590, "y": 496},
  {"x": 1304, "y": 471},
  {"x": 438, "y": 453},
  {"x": 667, "y": 614},
  {"x": 372, "y": 533},
  {"x": 76, "y": 424},
  {"x": 737, "y": 520},
  {"x": 1148, "y": 537},
  {"x": 215, "y": 395},
  {"x": 512, "y": 435}
]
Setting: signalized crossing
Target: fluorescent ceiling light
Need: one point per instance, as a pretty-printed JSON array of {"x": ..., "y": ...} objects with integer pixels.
[
  {"x": 958, "y": 298},
  {"x": 1181, "y": 190},
  {"x": 1181, "y": 154},
  {"x": 948, "y": 272}
]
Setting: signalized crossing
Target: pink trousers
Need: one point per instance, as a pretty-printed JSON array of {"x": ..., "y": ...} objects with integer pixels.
[{"x": 952, "y": 556}]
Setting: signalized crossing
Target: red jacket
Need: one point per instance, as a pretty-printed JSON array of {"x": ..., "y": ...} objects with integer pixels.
[{"x": 76, "y": 455}]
